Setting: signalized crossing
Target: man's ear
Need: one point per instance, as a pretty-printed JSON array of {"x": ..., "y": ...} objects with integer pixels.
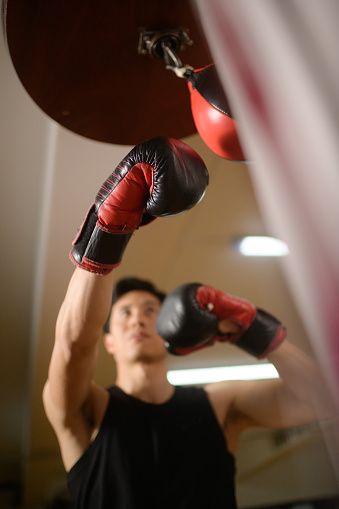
[{"x": 109, "y": 342}]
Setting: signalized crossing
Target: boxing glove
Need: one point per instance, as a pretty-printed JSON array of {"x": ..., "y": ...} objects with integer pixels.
[
  {"x": 189, "y": 320},
  {"x": 212, "y": 114},
  {"x": 159, "y": 177}
]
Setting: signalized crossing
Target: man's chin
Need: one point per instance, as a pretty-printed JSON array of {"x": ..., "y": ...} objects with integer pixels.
[{"x": 149, "y": 357}]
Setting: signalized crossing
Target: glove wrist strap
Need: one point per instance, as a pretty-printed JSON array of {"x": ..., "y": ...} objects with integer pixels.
[
  {"x": 96, "y": 250},
  {"x": 264, "y": 335}
]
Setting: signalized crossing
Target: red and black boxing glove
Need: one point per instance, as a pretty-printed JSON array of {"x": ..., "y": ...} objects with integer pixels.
[
  {"x": 212, "y": 114},
  {"x": 189, "y": 320},
  {"x": 159, "y": 177}
]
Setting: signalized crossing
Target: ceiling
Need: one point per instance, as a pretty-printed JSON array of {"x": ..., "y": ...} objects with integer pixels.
[{"x": 49, "y": 178}]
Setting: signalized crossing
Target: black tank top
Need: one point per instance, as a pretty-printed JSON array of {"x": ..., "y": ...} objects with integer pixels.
[{"x": 149, "y": 456}]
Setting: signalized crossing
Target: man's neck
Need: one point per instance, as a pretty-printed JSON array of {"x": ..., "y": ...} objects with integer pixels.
[{"x": 147, "y": 382}]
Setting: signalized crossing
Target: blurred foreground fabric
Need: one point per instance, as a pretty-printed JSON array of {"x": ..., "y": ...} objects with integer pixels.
[{"x": 278, "y": 62}]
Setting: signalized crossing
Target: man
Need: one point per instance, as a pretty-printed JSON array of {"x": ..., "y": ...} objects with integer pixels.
[{"x": 145, "y": 443}]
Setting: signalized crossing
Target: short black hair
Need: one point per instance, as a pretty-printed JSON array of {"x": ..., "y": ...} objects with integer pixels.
[{"x": 130, "y": 284}]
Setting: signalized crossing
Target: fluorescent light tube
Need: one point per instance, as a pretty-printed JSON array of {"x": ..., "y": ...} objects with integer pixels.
[
  {"x": 262, "y": 246},
  {"x": 209, "y": 375}
]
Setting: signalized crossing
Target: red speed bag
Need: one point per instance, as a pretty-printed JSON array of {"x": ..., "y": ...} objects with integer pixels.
[{"x": 212, "y": 114}]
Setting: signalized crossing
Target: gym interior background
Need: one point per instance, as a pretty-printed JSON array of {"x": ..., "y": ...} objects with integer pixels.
[{"x": 49, "y": 176}]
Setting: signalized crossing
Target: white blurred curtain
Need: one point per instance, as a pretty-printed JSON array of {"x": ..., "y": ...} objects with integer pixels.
[{"x": 279, "y": 63}]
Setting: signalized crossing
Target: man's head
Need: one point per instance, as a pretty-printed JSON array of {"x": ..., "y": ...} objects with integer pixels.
[
  {"x": 129, "y": 284},
  {"x": 131, "y": 335}
]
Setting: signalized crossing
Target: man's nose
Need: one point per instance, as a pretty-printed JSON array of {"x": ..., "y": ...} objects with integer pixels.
[{"x": 138, "y": 318}]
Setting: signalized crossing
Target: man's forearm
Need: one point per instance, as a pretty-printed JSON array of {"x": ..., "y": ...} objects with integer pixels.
[
  {"x": 303, "y": 378},
  {"x": 85, "y": 308}
]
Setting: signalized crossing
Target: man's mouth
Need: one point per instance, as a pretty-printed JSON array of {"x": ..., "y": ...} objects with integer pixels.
[{"x": 139, "y": 336}]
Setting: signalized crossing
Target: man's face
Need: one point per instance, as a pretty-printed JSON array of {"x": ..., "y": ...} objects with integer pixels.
[{"x": 132, "y": 334}]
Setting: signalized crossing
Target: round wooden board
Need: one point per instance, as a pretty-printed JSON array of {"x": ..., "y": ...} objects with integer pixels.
[{"x": 79, "y": 61}]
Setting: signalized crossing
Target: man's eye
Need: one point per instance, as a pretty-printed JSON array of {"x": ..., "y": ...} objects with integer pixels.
[{"x": 151, "y": 310}]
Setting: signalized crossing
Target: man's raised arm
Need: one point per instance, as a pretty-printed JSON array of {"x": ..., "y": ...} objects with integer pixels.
[
  {"x": 195, "y": 316},
  {"x": 159, "y": 177}
]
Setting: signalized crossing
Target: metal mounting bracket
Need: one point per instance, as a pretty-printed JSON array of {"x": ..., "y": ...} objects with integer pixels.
[{"x": 164, "y": 45}]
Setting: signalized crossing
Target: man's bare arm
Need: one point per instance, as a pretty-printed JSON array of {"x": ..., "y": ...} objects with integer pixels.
[
  {"x": 298, "y": 397},
  {"x": 133, "y": 193},
  {"x": 78, "y": 330},
  {"x": 194, "y": 316}
]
